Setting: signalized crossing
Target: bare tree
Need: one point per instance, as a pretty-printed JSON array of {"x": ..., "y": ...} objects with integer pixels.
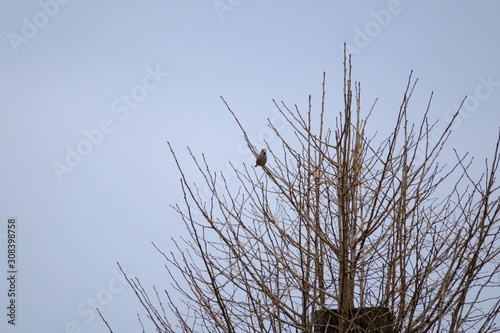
[{"x": 333, "y": 224}]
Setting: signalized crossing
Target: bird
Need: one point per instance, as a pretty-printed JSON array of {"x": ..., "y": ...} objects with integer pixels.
[{"x": 261, "y": 159}]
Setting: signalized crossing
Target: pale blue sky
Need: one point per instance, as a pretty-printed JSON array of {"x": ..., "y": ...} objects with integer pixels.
[{"x": 68, "y": 66}]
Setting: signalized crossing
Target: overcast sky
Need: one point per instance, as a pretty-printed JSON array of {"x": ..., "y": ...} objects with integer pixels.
[{"x": 92, "y": 91}]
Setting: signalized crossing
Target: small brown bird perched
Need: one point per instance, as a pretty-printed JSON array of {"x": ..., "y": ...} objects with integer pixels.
[{"x": 261, "y": 159}]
